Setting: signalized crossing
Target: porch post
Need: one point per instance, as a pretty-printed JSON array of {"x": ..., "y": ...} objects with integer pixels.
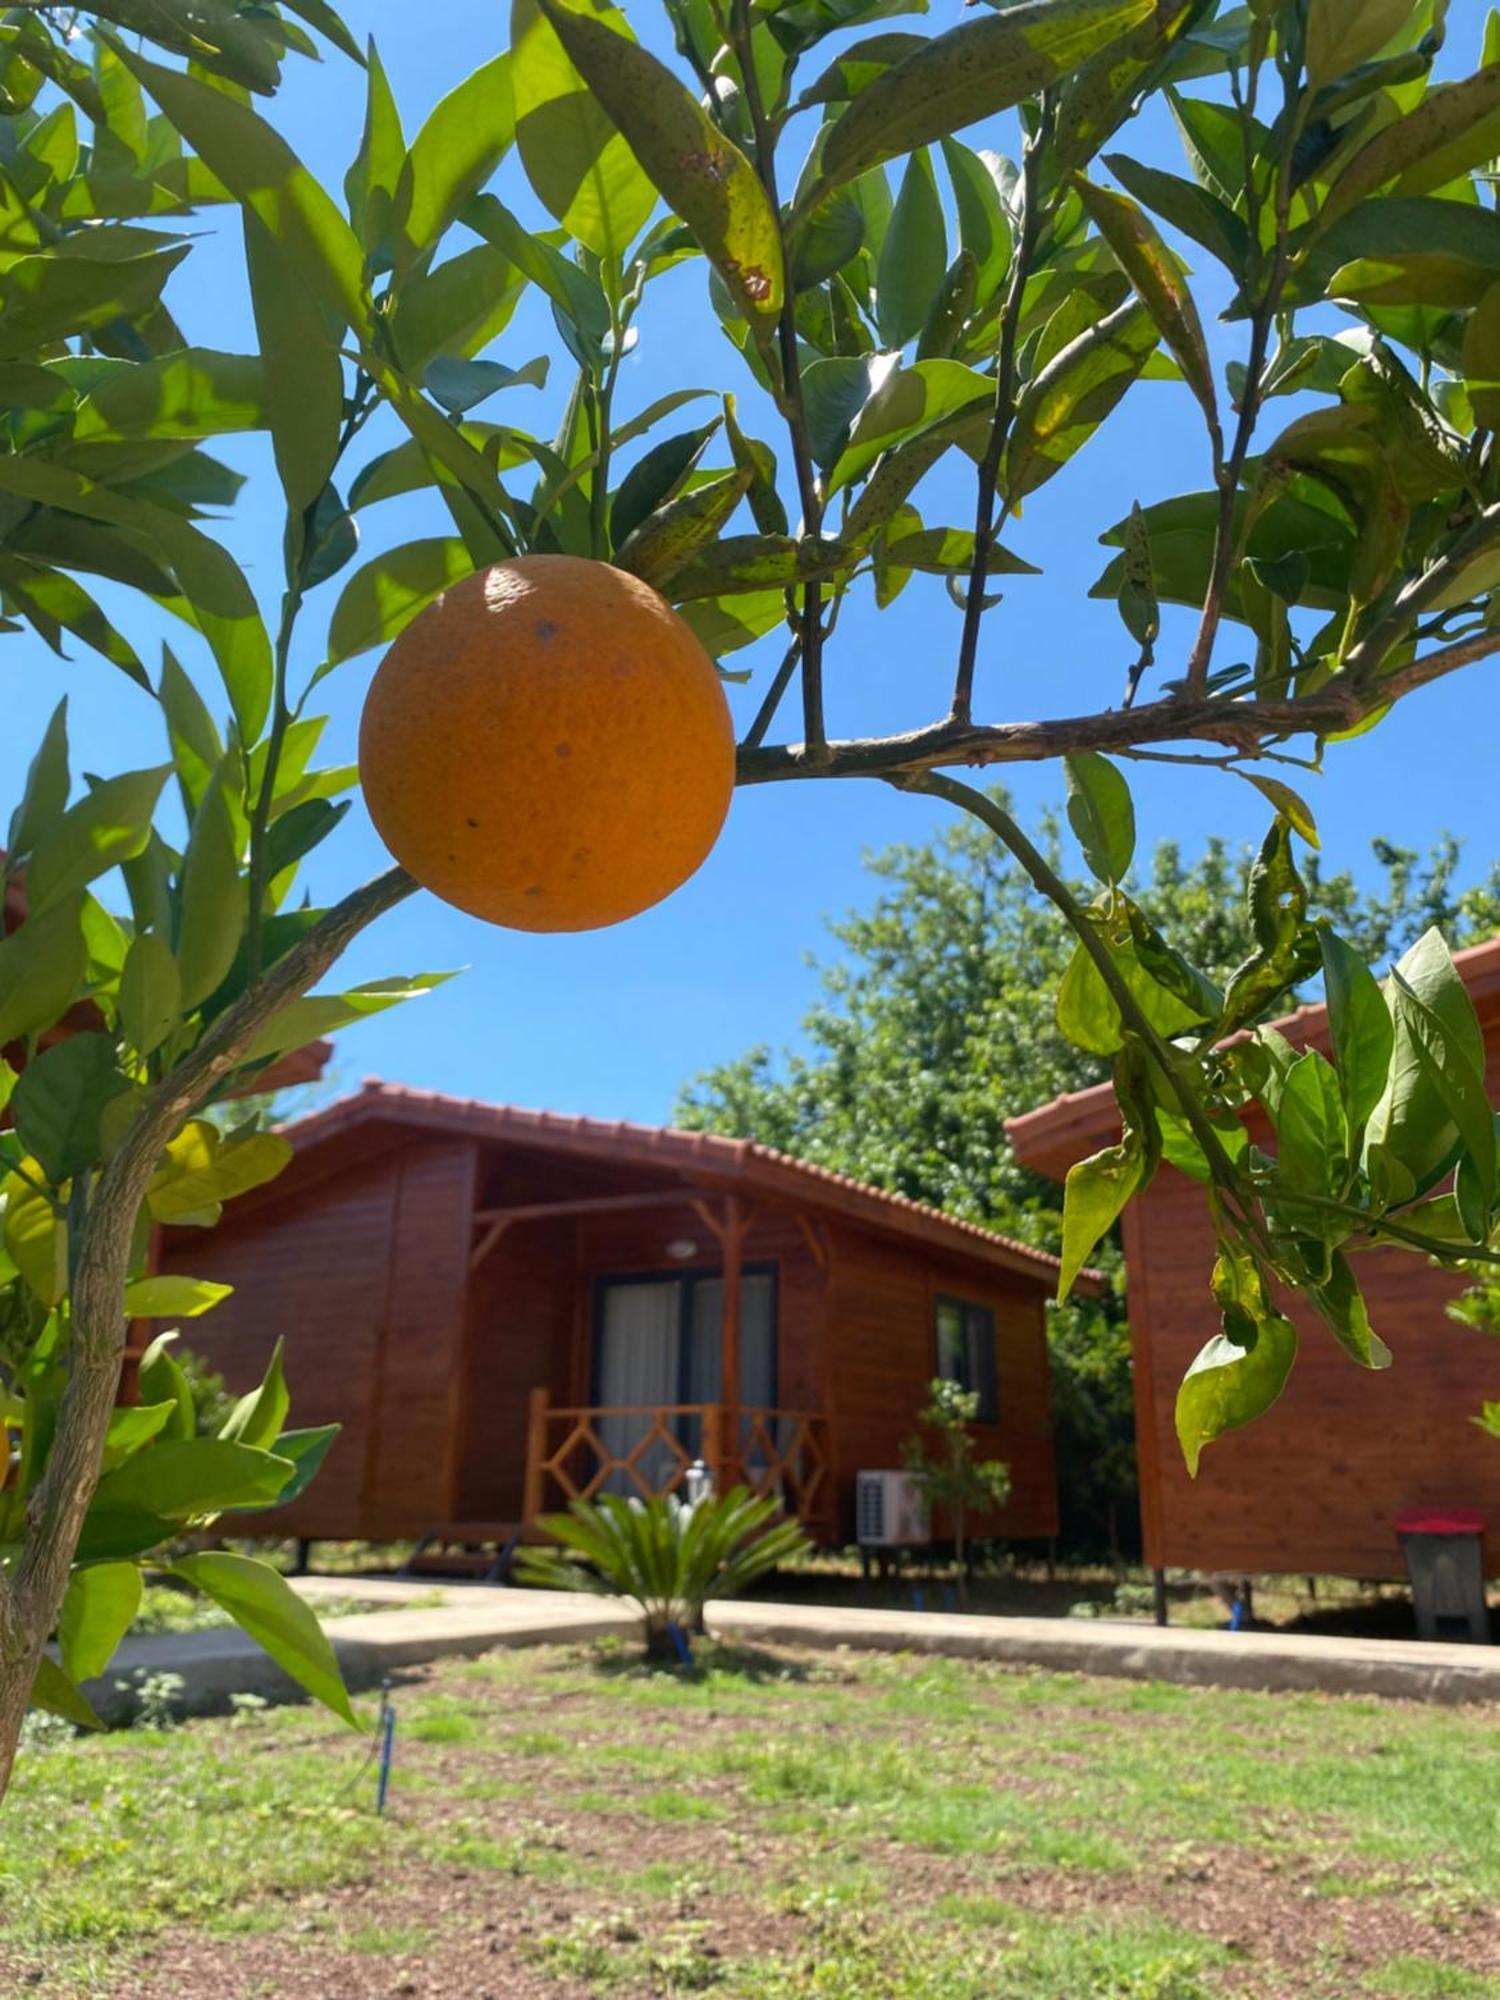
[
  {"x": 536, "y": 1451},
  {"x": 732, "y": 1238}
]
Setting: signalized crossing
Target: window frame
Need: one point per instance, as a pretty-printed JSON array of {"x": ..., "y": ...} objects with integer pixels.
[
  {"x": 969, "y": 1312},
  {"x": 687, "y": 1280}
]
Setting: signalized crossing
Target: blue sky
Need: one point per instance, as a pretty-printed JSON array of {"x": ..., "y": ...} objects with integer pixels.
[{"x": 612, "y": 1023}]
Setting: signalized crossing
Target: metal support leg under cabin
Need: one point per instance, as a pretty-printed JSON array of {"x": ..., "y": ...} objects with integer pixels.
[
  {"x": 304, "y": 1556},
  {"x": 1159, "y": 1595}
]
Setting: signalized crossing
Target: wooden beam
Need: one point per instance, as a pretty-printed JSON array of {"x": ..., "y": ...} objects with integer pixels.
[
  {"x": 496, "y": 1221},
  {"x": 732, "y": 1239}
]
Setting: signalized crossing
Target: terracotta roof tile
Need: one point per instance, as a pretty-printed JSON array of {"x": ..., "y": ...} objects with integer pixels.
[{"x": 747, "y": 1159}]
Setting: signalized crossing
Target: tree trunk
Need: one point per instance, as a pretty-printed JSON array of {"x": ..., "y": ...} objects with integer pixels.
[{"x": 31, "y": 1598}]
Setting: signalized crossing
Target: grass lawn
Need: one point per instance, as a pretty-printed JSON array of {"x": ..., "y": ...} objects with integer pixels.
[{"x": 564, "y": 1823}]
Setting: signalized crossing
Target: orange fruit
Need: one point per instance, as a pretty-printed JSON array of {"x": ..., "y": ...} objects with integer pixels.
[{"x": 548, "y": 746}]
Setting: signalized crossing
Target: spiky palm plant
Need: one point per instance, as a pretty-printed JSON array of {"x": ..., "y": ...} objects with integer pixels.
[{"x": 667, "y": 1555}]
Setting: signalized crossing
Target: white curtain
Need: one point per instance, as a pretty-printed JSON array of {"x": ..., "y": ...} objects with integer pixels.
[
  {"x": 639, "y": 1341},
  {"x": 757, "y": 1348}
]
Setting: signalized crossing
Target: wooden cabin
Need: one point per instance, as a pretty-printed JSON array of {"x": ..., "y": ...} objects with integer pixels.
[
  {"x": 1314, "y": 1486},
  {"x": 504, "y": 1308}
]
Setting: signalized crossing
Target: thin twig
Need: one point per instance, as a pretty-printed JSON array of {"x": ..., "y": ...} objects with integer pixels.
[
  {"x": 1229, "y": 471},
  {"x": 985, "y": 526},
  {"x": 1338, "y": 705},
  {"x": 793, "y": 408},
  {"x": 766, "y": 713},
  {"x": 1045, "y": 878}
]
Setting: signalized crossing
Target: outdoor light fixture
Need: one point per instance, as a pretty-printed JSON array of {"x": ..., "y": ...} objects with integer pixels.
[{"x": 681, "y": 1248}]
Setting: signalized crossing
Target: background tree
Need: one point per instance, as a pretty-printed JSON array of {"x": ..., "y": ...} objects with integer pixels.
[
  {"x": 936, "y": 1022},
  {"x": 945, "y": 1471},
  {"x": 1350, "y": 551}
]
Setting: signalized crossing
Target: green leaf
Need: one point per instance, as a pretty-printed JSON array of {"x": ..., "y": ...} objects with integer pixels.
[
  {"x": 1231, "y": 1383},
  {"x": 457, "y": 309},
  {"x": 1139, "y": 609},
  {"x": 1195, "y": 210},
  {"x": 1449, "y": 1067},
  {"x": 700, "y": 172},
  {"x": 370, "y": 184},
  {"x": 36, "y": 1240},
  {"x": 1291, "y": 805},
  {"x": 1454, "y": 129},
  {"x": 58, "y": 1101},
  {"x": 1094, "y": 1196},
  {"x": 257, "y": 1418},
  {"x": 463, "y": 140},
  {"x": 54, "y": 603},
  {"x": 582, "y": 308},
  {"x": 857, "y": 66},
  {"x": 1062, "y": 407},
  {"x": 1312, "y": 1143},
  {"x": 580, "y": 167},
  {"x": 303, "y": 1021},
  {"x": 654, "y": 479},
  {"x": 1402, "y": 250},
  {"x": 185, "y": 1479},
  {"x": 1101, "y": 814},
  {"x": 118, "y": 1535},
  {"x": 213, "y": 894},
  {"x": 173, "y": 1296},
  {"x": 382, "y": 598},
  {"x": 725, "y": 624},
  {"x": 318, "y": 14},
  {"x": 298, "y": 832},
  {"x": 1169, "y": 992},
  {"x": 97, "y": 1612},
  {"x": 304, "y": 374},
  {"x": 1360, "y": 1023},
  {"x": 1411, "y": 1140},
  {"x": 1158, "y": 280},
  {"x": 264, "y": 174},
  {"x": 263, "y": 1603},
  {"x": 905, "y": 403},
  {"x": 201, "y": 1171},
  {"x": 663, "y": 544},
  {"x": 194, "y": 393},
  {"x": 307, "y": 1451},
  {"x": 191, "y": 730},
  {"x": 1342, "y": 34},
  {"x": 983, "y": 225},
  {"x": 162, "y": 1381},
  {"x": 1481, "y": 359},
  {"x": 55, "y": 1694},
  {"x": 459, "y": 384},
  {"x": 913, "y": 258},
  {"x": 110, "y": 825},
  {"x": 45, "y": 797},
  {"x": 132, "y": 1428},
  {"x": 968, "y": 73},
  {"x": 1341, "y": 1304},
  {"x": 42, "y": 966},
  {"x": 215, "y": 596}
]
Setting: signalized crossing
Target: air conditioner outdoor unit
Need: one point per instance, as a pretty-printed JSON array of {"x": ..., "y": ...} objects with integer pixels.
[{"x": 889, "y": 1512}]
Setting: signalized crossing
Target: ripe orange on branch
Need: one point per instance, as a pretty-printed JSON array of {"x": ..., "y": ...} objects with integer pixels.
[{"x": 548, "y": 746}]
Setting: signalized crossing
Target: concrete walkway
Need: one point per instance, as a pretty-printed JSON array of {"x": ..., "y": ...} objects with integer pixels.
[
  {"x": 473, "y": 1619},
  {"x": 1413, "y": 1669}
]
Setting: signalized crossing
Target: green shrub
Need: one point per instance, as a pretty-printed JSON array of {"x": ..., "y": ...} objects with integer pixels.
[{"x": 667, "y": 1555}]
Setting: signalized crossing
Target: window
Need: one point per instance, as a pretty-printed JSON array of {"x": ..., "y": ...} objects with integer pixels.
[{"x": 966, "y": 1353}]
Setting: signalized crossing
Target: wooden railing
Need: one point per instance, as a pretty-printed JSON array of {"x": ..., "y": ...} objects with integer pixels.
[{"x": 645, "y": 1449}]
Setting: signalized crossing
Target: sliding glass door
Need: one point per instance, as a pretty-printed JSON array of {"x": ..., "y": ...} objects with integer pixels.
[{"x": 658, "y": 1342}]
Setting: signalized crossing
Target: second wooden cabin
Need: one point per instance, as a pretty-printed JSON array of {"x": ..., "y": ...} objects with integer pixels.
[{"x": 505, "y": 1308}]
